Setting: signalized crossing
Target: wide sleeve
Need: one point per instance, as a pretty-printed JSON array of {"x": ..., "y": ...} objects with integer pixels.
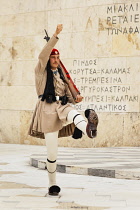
[
  {"x": 44, "y": 55},
  {"x": 69, "y": 95}
]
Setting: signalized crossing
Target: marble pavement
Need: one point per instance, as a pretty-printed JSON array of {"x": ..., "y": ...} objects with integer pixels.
[
  {"x": 25, "y": 187},
  {"x": 118, "y": 162}
]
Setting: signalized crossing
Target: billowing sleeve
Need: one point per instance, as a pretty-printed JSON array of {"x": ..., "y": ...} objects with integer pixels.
[
  {"x": 69, "y": 95},
  {"x": 44, "y": 55}
]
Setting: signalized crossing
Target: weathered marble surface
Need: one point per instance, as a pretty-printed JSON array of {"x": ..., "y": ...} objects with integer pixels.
[{"x": 84, "y": 36}]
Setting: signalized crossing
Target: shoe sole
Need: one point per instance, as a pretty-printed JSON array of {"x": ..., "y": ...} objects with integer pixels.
[
  {"x": 53, "y": 194},
  {"x": 92, "y": 124}
]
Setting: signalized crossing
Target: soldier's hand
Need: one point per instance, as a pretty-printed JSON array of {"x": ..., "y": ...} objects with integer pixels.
[
  {"x": 79, "y": 98},
  {"x": 58, "y": 29}
]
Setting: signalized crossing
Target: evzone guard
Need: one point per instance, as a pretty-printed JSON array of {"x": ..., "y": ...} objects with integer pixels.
[{"x": 54, "y": 115}]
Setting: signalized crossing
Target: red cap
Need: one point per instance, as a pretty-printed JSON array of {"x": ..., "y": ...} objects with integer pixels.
[{"x": 54, "y": 52}]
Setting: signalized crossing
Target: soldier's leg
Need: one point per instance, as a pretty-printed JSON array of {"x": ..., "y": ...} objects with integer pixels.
[
  {"x": 78, "y": 119},
  {"x": 90, "y": 127},
  {"x": 52, "y": 148}
]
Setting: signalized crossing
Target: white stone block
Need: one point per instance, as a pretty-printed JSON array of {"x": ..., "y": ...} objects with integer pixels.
[
  {"x": 34, "y": 23},
  {"x": 104, "y": 46},
  {"x": 5, "y": 49},
  {"x": 10, "y": 126},
  {"x": 101, "y": 2},
  {"x": 41, "y": 165},
  {"x": 18, "y": 97},
  {"x": 18, "y": 73},
  {"x": 76, "y": 170},
  {"x": 72, "y": 4},
  {"x": 23, "y": 48},
  {"x": 85, "y": 19},
  {"x": 9, "y": 7},
  {"x": 31, "y": 6}
]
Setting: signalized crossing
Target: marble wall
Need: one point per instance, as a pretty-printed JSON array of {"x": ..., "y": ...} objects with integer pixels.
[{"x": 99, "y": 45}]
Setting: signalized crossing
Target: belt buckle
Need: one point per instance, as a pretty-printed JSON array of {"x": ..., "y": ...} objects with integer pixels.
[{"x": 57, "y": 98}]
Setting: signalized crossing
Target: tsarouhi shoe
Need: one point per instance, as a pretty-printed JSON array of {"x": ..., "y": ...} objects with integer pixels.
[
  {"x": 54, "y": 190},
  {"x": 91, "y": 128}
]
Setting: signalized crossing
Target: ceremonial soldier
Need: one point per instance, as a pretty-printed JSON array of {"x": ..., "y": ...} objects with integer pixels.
[{"x": 55, "y": 115}]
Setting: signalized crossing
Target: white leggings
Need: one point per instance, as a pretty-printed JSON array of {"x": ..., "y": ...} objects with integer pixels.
[
  {"x": 52, "y": 147},
  {"x": 52, "y": 144}
]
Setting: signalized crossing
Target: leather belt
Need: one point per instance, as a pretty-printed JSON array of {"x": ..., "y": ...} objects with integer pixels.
[{"x": 58, "y": 98}]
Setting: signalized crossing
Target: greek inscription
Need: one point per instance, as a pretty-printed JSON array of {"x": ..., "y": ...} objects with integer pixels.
[
  {"x": 104, "y": 89},
  {"x": 119, "y": 21}
]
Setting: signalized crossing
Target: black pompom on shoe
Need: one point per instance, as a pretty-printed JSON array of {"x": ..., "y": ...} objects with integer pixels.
[
  {"x": 91, "y": 128},
  {"x": 77, "y": 133},
  {"x": 54, "y": 190}
]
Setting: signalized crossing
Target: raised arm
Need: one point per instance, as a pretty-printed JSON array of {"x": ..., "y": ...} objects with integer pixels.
[{"x": 45, "y": 53}]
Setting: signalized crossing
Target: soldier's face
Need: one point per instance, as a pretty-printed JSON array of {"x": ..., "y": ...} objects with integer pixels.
[{"x": 54, "y": 61}]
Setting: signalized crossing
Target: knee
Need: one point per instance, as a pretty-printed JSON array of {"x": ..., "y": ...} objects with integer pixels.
[
  {"x": 52, "y": 156},
  {"x": 71, "y": 115}
]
